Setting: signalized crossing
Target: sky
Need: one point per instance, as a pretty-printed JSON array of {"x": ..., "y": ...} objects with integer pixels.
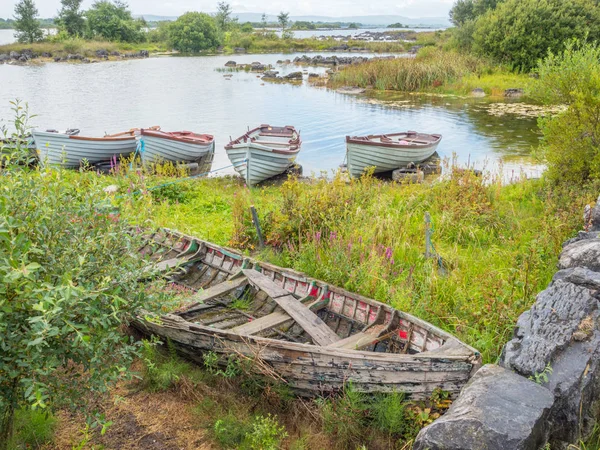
[{"x": 408, "y": 8}]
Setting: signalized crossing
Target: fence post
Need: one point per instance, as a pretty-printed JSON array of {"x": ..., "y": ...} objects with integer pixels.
[
  {"x": 261, "y": 242},
  {"x": 427, "y": 235}
]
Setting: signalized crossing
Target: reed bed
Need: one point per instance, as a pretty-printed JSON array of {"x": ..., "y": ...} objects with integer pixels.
[{"x": 431, "y": 68}]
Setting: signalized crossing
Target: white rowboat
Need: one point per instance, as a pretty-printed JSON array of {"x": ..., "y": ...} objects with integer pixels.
[
  {"x": 389, "y": 152},
  {"x": 264, "y": 152},
  {"x": 70, "y": 150}
]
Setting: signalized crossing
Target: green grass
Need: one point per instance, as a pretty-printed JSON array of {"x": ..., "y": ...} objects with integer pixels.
[
  {"x": 499, "y": 244},
  {"x": 493, "y": 84},
  {"x": 81, "y": 46},
  {"x": 33, "y": 429}
]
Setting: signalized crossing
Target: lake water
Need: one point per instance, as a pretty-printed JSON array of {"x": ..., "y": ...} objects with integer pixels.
[{"x": 187, "y": 93}]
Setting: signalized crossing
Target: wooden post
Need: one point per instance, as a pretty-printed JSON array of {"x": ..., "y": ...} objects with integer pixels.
[
  {"x": 427, "y": 235},
  {"x": 261, "y": 242}
]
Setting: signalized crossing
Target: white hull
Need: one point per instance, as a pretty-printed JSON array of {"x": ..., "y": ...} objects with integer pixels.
[
  {"x": 256, "y": 163},
  {"x": 384, "y": 159},
  {"x": 61, "y": 149},
  {"x": 157, "y": 150}
]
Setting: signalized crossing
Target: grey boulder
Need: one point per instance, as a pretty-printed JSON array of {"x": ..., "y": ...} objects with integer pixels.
[
  {"x": 497, "y": 410},
  {"x": 583, "y": 253}
]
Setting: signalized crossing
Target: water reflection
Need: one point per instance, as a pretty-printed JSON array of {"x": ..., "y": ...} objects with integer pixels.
[{"x": 188, "y": 93}]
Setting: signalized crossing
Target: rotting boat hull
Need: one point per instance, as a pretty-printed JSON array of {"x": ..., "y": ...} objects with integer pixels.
[{"x": 430, "y": 359}]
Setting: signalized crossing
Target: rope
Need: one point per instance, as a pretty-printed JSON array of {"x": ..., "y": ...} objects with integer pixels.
[
  {"x": 140, "y": 148},
  {"x": 181, "y": 180}
]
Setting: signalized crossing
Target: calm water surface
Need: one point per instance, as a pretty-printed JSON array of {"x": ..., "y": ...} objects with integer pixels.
[{"x": 180, "y": 93}]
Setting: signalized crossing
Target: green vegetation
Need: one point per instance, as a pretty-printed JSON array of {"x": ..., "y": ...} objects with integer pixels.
[
  {"x": 26, "y": 22},
  {"x": 430, "y": 69},
  {"x": 70, "y": 18},
  {"x": 113, "y": 22},
  {"x": 193, "y": 32},
  {"x": 70, "y": 280},
  {"x": 517, "y": 32},
  {"x": 570, "y": 144}
]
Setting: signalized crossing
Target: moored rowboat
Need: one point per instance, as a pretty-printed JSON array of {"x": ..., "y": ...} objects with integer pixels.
[
  {"x": 314, "y": 336},
  {"x": 389, "y": 152},
  {"x": 177, "y": 147},
  {"x": 264, "y": 152},
  {"x": 70, "y": 150}
]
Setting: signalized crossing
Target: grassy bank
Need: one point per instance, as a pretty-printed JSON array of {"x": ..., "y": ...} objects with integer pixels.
[
  {"x": 83, "y": 47},
  {"x": 498, "y": 244},
  {"x": 432, "y": 70}
]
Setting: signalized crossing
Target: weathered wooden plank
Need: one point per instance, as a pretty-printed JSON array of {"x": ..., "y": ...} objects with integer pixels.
[
  {"x": 357, "y": 341},
  {"x": 265, "y": 284},
  {"x": 215, "y": 291},
  {"x": 264, "y": 323},
  {"x": 318, "y": 330}
]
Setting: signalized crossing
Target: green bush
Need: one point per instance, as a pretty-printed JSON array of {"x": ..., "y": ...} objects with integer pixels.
[
  {"x": 33, "y": 429},
  {"x": 70, "y": 280},
  {"x": 113, "y": 21},
  {"x": 520, "y": 32},
  {"x": 389, "y": 413},
  {"x": 194, "y": 32},
  {"x": 570, "y": 140},
  {"x": 266, "y": 433}
]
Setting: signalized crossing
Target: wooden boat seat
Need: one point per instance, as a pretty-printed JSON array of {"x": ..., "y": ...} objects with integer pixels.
[
  {"x": 361, "y": 340},
  {"x": 216, "y": 291},
  {"x": 318, "y": 330}
]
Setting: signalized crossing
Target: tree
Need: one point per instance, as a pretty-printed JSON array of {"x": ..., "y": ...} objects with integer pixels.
[
  {"x": 194, "y": 32},
  {"x": 571, "y": 140},
  {"x": 247, "y": 28},
  {"x": 70, "y": 280},
  {"x": 27, "y": 24},
  {"x": 284, "y": 20},
  {"x": 223, "y": 16},
  {"x": 520, "y": 32},
  {"x": 113, "y": 21},
  {"x": 70, "y": 18},
  {"x": 465, "y": 10}
]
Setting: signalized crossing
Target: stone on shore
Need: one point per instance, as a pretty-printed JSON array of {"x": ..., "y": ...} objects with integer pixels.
[
  {"x": 582, "y": 253},
  {"x": 293, "y": 76},
  {"x": 514, "y": 93},
  {"x": 230, "y": 64},
  {"x": 497, "y": 410},
  {"x": 478, "y": 92}
]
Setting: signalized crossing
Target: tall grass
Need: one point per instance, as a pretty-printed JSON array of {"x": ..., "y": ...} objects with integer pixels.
[
  {"x": 84, "y": 47},
  {"x": 430, "y": 69}
]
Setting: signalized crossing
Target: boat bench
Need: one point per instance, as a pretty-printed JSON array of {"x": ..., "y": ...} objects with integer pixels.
[{"x": 318, "y": 330}]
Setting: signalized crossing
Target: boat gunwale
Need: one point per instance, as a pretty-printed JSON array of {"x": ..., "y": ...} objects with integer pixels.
[
  {"x": 431, "y": 354},
  {"x": 183, "y": 139},
  {"x": 367, "y": 140},
  {"x": 294, "y": 144}
]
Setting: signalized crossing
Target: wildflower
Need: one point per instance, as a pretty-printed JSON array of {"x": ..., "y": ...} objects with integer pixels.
[
  {"x": 388, "y": 253},
  {"x": 318, "y": 236}
]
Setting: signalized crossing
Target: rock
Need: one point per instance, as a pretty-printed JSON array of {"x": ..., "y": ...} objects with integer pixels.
[
  {"x": 544, "y": 331},
  {"x": 15, "y": 55},
  {"x": 75, "y": 57},
  {"x": 115, "y": 53},
  {"x": 477, "y": 92},
  {"x": 57, "y": 59},
  {"x": 239, "y": 50},
  {"x": 415, "y": 49},
  {"x": 46, "y": 55},
  {"x": 102, "y": 53},
  {"x": 23, "y": 58},
  {"x": 230, "y": 64},
  {"x": 4, "y": 57},
  {"x": 352, "y": 90},
  {"x": 581, "y": 236},
  {"x": 271, "y": 74},
  {"x": 583, "y": 253},
  {"x": 409, "y": 176},
  {"x": 579, "y": 276},
  {"x": 313, "y": 75},
  {"x": 144, "y": 54},
  {"x": 293, "y": 76},
  {"x": 85, "y": 60},
  {"x": 258, "y": 67},
  {"x": 594, "y": 218},
  {"x": 497, "y": 410},
  {"x": 514, "y": 93}
]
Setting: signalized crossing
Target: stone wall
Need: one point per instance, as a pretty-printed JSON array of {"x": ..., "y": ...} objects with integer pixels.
[{"x": 546, "y": 388}]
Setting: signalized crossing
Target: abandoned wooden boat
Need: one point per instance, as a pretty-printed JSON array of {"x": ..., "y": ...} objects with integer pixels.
[
  {"x": 264, "y": 152},
  {"x": 314, "y": 336},
  {"x": 387, "y": 152},
  {"x": 70, "y": 150},
  {"x": 177, "y": 147}
]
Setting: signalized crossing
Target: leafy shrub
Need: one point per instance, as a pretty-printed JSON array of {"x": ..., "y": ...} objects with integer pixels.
[
  {"x": 344, "y": 417},
  {"x": 113, "y": 22},
  {"x": 389, "y": 413},
  {"x": 194, "y": 32},
  {"x": 266, "y": 433},
  {"x": 162, "y": 372},
  {"x": 520, "y": 32},
  {"x": 33, "y": 428},
  {"x": 570, "y": 140},
  {"x": 70, "y": 279},
  {"x": 230, "y": 432}
]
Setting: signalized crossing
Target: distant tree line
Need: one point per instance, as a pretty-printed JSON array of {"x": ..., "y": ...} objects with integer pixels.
[
  {"x": 521, "y": 32},
  {"x": 111, "y": 20}
]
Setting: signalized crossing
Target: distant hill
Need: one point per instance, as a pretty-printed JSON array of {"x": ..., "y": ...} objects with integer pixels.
[{"x": 377, "y": 21}]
